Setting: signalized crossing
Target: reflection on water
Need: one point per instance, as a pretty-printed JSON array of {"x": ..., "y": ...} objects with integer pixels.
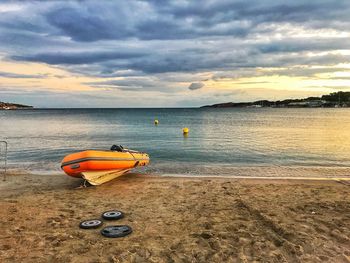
[{"x": 219, "y": 139}]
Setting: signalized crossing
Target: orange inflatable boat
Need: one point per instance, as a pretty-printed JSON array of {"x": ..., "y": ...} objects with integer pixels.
[{"x": 98, "y": 167}]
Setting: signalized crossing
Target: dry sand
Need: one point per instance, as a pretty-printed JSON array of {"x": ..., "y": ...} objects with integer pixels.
[{"x": 176, "y": 220}]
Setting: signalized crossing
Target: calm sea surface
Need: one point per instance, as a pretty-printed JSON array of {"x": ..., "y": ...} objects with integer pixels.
[{"x": 219, "y": 141}]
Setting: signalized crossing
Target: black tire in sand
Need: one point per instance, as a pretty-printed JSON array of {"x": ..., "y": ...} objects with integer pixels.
[
  {"x": 116, "y": 231},
  {"x": 92, "y": 223},
  {"x": 112, "y": 215}
]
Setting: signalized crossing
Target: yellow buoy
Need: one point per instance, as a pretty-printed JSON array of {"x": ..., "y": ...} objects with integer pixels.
[
  {"x": 185, "y": 130},
  {"x": 156, "y": 122}
]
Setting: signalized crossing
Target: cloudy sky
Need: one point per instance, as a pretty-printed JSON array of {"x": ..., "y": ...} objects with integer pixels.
[{"x": 171, "y": 53}]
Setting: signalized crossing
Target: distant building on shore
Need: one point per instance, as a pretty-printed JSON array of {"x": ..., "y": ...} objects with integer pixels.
[{"x": 308, "y": 103}]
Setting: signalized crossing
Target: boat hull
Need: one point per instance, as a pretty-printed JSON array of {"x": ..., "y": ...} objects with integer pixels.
[{"x": 102, "y": 166}]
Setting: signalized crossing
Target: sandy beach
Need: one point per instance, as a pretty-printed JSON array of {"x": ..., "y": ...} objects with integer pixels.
[{"x": 175, "y": 220}]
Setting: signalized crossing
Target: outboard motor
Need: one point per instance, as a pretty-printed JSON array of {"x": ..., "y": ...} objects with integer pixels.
[{"x": 117, "y": 148}]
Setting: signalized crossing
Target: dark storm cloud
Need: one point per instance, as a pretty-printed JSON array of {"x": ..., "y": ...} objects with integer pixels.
[
  {"x": 110, "y": 64},
  {"x": 145, "y": 84},
  {"x": 92, "y": 21},
  {"x": 143, "y": 38},
  {"x": 130, "y": 82},
  {"x": 295, "y": 45},
  {"x": 88, "y": 24},
  {"x": 78, "y": 57},
  {"x": 21, "y": 76},
  {"x": 261, "y": 11},
  {"x": 196, "y": 85}
]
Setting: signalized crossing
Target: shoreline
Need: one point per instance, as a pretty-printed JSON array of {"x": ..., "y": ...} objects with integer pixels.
[
  {"x": 258, "y": 172},
  {"x": 176, "y": 219}
]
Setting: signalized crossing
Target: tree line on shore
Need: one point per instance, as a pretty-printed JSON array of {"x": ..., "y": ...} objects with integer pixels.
[
  {"x": 334, "y": 99},
  {"x": 13, "y": 106}
]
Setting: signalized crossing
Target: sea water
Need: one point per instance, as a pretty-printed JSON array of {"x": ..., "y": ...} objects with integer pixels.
[{"x": 219, "y": 140}]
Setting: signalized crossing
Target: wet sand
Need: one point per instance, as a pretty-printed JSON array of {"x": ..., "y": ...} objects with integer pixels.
[{"x": 176, "y": 220}]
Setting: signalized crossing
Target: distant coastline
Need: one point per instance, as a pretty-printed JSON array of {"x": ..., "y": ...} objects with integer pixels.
[
  {"x": 333, "y": 100},
  {"x": 13, "y": 106}
]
